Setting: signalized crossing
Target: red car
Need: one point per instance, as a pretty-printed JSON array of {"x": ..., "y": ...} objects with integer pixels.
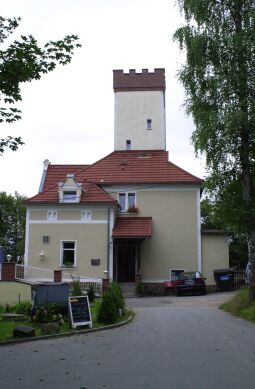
[{"x": 190, "y": 282}]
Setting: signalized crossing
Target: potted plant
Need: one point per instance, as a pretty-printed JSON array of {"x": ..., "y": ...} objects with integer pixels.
[{"x": 133, "y": 209}]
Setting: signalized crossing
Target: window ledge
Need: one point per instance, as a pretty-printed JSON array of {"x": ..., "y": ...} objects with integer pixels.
[
  {"x": 127, "y": 212},
  {"x": 68, "y": 267}
]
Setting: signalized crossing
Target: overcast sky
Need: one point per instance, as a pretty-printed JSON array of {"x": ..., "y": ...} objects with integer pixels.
[{"x": 68, "y": 114}]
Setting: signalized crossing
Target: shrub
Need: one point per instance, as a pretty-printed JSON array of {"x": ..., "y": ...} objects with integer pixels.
[
  {"x": 22, "y": 308},
  {"x": 91, "y": 294},
  {"x": 49, "y": 312},
  {"x": 117, "y": 296},
  {"x": 108, "y": 313},
  {"x": 112, "y": 302}
]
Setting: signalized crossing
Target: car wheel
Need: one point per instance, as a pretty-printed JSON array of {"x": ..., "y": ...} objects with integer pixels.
[{"x": 178, "y": 293}]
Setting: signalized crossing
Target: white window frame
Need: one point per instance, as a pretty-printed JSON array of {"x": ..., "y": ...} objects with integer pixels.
[
  {"x": 126, "y": 200},
  {"x": 86, "y": 215},
  {"x": 62, "y": 251},
  {"x": 70, "y": 200},
  {"x": 52, "y": 215}
]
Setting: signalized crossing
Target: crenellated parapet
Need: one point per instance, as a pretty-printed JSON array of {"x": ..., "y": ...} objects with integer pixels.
[{"x": 143, "y": 81}]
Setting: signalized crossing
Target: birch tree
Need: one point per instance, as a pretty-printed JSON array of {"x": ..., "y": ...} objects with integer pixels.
[{"x": 218, "y": 76}]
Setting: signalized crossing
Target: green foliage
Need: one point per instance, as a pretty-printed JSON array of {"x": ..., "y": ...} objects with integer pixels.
[
  {"x": 91, "y": 294},
  {"x": 76, "y": 286},
  {"x": 22, "y": 308},
  {"x": 241, "y": 306},
  {"x": 238, "y": 251},
  {"x": 117, "y": 295},
  {"x": 49, "y": 312},
  {"x": 12, "y": 224},
  {"x": 218, "y": 77},
  {"x": 108, "y": 312},
  {"x": 140, "y": 290},
  {"x": 23, "y": 61},
  {"x": 112, "y": 302}
]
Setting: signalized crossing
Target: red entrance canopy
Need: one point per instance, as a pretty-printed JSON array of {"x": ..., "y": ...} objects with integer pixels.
[{"x": 132, "y": 227}]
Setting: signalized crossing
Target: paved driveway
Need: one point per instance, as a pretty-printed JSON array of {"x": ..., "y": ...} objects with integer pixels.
[{"x": 181, "y": 343}]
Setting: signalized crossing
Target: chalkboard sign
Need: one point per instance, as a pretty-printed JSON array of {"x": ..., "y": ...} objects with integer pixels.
[{"x": 79, "y": 311}]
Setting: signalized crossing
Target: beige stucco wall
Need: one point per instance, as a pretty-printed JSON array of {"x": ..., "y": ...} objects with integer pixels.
[
  {"x": 99, "y": 215},
  {"x": 91, "y": 244},
  {"x": 11, "y": 292},
  {"x": 69, "y": 215},
  {"x": 215, "y": 255},
  {"x": 132, "y": 109},
  {"x": 38, "y": 214},
  {"x": 174, "y": 241}
]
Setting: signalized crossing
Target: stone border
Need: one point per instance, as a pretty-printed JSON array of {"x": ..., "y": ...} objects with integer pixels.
[{"x": 66, "y": 334}]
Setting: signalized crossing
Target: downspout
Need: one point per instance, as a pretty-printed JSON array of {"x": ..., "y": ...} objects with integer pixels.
[{"x": 108, "y": 240}]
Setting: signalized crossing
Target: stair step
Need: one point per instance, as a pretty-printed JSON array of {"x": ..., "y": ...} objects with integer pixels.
[{"x": 128, "y": 289}]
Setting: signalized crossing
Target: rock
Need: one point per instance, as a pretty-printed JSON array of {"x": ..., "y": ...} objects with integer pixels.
[
  {"x": 50, "y": 328},
  {"x": 24, "y": 332}
]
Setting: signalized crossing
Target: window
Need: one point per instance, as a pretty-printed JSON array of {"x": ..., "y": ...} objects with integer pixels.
[
  {"x": 52, "y": 215},
  {"x": 131, "y": 200},
  {"x": 46, "y": 239},
  {"x": 126, "y": 201},
  {"x": 149, "y": 124},
  {"x": 68, "y": 251},
  {"x": 69, "y": 195},
  {"x": 174, "y": 274},
  {"x": 86, "y": 215},
  {"x": 128, "y": 144}
]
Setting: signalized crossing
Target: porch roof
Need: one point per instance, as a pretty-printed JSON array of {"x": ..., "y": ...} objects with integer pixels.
[{"x": 132, "y": 227}]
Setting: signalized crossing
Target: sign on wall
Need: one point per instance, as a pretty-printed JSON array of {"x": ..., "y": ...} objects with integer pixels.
[{"x": 79, "y": 311}]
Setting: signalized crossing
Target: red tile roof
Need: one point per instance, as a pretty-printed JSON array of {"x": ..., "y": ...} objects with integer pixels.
[
  {"x": 91, "y": 193},
  {"x": 132, "y": 227},
  {"x": 119, "y": 167},
  {"x": 125, "y": 167},
  {"x": 57, "y": 173}
]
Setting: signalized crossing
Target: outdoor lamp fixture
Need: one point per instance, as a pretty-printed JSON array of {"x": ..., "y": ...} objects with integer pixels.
[
  {"x": 106, "y": 273},
  {"x": 42, "y": 254},
  {"x": 8, "y": 256}
]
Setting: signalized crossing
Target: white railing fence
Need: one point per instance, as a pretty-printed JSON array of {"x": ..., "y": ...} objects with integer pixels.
[{"x": 33, "y": 274}]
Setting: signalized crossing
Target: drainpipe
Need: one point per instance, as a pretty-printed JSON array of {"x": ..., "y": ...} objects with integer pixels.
[{"x": 108, "y": 240}]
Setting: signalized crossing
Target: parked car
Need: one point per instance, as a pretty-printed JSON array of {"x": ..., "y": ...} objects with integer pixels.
[{"x": 190, "y": 282}]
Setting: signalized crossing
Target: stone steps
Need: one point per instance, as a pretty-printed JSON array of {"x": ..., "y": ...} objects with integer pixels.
[{"x": 128, "y": 289}]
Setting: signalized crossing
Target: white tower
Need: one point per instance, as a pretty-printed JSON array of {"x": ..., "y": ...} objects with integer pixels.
[{"x": 139, "y": 110}]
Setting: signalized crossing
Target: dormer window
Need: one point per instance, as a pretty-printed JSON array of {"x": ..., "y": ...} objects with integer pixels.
[
  {"x": 70, "y": 191},
  {"x": 69, "y": 195}
]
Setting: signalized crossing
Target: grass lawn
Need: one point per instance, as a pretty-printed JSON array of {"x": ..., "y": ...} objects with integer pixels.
[
  {"x": 7, "y": 325},
  {"x": 240, "y": 305}
]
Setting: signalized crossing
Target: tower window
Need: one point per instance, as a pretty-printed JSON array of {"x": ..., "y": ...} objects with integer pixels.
[
  {"x": 149, "y": 124},
  {"x": 128, "y": 144}
]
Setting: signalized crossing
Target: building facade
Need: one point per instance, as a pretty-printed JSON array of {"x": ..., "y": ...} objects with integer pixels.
[{"x": 131, "y": 216}]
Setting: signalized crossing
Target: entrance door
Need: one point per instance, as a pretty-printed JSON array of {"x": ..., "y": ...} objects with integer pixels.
[{"x": 126, "y": 263}]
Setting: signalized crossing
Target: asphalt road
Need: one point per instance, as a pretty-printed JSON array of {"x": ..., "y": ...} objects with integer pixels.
[{"x": 182, "y": 343}]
